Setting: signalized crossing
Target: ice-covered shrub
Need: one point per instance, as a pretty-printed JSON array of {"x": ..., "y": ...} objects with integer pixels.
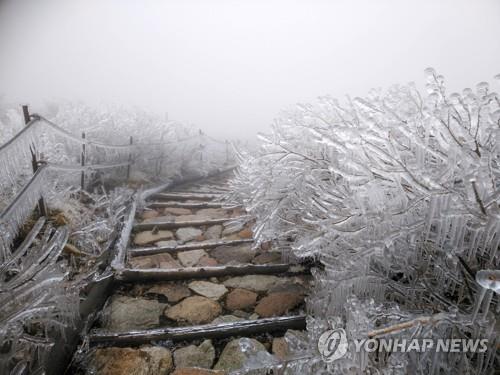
[{"x": 397, "y": 194}]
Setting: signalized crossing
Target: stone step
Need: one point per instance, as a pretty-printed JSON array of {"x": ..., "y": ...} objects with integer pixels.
[
  {"x": 152, "y": 250},
  {"x": 213, "y": 301},
  {"x": 179, "y": 224},
  {"x": 195, "y": 256}
]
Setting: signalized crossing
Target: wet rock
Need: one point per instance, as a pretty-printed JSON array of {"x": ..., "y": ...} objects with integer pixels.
[
  {"x": 142, "y": 262},
  {"x": 245, "y": 233},
  {"x": 170, "y": 243},
  {"x": 232, "y": 229},
  {"x": 126, "y": 313},
  {"x": 177, "y": 211},
  {"x": 208, "y": 289},
  {"x": 291, "y": 287},
  {"x": 226, "y": 319},
  {"x": 195, "y": 356},
  {"x": 184, "y": 218},
  {"x": 213, "y": 232},
  {"x": 239, "y": 254},
  {"x": 187, "y": 234},
  {"x": 241, "y": 314},
  {"x": 276, "y": 304},
  {"x": 143, "y": 361},
  {"x": 147, "y": 237},
  {"x": 149, "y": 214},
  {"x": 240, "y": 299},
  {"x": 236, "y": 353},
  {"x": 255, "y": 283},
  {"x": 203, "y": 215},
  {"x": 212, "y": 213},
  {"x": 267, "y": 258},
  {"x": 194, "y": 310},
  {"x": 154, "y": 261},
  {"x": 280, "y": 348},
  {"x": 197, "y": 371},
  {"x": 118, "y": 361},
  {"x": 190, "y": 258},
  {"x": 161, "y": 219},
  {"x": 266, "y": 245},
  {"x": 173, "y": 292},
  {"x": 160, "y": 360},
  {"x": 169, "y": 263},
  {"x": 238, "y": 211},
  {"x": 254, "y": 316},
  {"x": 207, "y": 261}
]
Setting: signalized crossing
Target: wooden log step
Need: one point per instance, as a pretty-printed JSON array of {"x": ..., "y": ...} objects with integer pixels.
[
  {"x": 195, "y": 191},
  {"x": 208, "y": 331},
  {"x": 179, "y": 224},
  {"x": 186, "y": 196},
  {"x": 192, "y": 205},
  {"x": 135, "y": 252},
  {"x": 158, "y": 274}
]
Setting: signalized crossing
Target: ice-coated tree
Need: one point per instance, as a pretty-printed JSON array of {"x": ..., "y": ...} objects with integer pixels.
[{"x": 397, "y": 195}]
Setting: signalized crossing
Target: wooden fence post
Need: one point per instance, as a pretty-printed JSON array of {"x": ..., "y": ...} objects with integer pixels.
[
  {"x": 131, "y": 142},
  {"x": 34, "y": 162},
  {"x": 201, "y": 147},
  {"x": 82, "y": 162},
  {"x": 26, "y": 114}
]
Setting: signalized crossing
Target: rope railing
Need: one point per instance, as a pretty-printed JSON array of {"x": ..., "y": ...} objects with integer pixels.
[
  {"x": 38, "y": 119},
  {"x": 111, "y": 146},
  {"x": 19, "y": 208},
  {"x": 85, "y": 141}
]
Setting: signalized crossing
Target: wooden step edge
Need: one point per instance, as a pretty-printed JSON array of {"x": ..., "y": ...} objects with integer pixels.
[
  {"x": 156, "y": 274},
  {"x": 213, "y": 192},
  {"x": 121, "y": 245},
  {"x": 208, "y": 331},
  {"x": 186, "y": 196},
  {"x": 135, "y": 252},
  {"x": 200, "y": 205},
  {"x": 180, "y": 224}
]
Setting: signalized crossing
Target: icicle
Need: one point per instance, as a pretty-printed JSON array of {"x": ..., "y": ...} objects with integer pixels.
[{"x": 14, "y": 216}]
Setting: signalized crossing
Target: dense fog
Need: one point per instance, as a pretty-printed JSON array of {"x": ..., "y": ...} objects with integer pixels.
[{"x": 229, "y": 67}]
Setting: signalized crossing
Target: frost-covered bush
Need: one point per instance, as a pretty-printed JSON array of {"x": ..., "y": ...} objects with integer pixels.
[{"x": 397, "y": 194}]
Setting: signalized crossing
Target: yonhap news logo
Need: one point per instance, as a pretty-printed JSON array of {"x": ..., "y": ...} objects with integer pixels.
[{"x": 333, "y": 345}]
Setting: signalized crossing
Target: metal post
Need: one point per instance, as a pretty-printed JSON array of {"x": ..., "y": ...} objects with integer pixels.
[
  {"x": 82, "y": 162},
  {"x": 131, "y": 142},
  {"x": 34, "y": 162}
]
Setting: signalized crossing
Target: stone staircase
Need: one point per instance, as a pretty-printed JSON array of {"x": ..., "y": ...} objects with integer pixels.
[{"x": 193, "y": 295}]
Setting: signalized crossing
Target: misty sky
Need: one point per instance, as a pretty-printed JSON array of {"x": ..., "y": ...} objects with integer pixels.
[{"x": 230, "y": 66}]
